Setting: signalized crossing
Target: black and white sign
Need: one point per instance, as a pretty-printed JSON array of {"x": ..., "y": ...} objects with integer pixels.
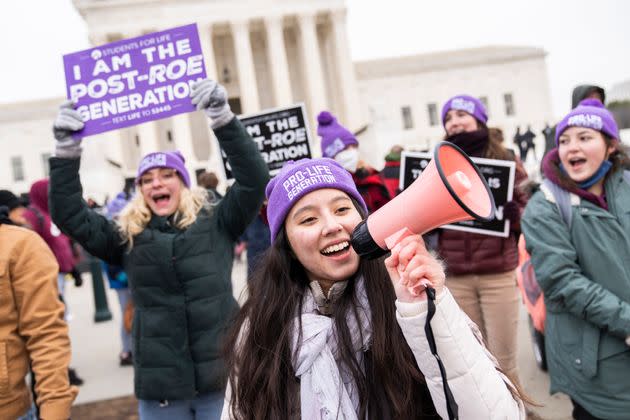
[
  {"x": 498, "y": 173},
  {"x": 281, "y": 135}
]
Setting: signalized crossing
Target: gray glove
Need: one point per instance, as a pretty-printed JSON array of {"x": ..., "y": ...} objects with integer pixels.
[
  {"x": 67, "y": 122},
  {"x": 212, "y": 98}
]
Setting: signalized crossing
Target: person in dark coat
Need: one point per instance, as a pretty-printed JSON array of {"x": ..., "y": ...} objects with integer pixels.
[
  {"x": 481, "y": 268},
  {"x": 338, "y": 143},
  {"x": 177, "y": 251}
]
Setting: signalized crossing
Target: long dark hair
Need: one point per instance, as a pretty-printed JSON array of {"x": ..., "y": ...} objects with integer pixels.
[{"x": 259, "y": 357}]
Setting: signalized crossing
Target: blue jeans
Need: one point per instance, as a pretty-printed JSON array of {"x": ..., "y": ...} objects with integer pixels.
[
  {"x": 124, "y": 295},
  {"x": 203, "y": 407},
  {"x": 31, "y": 414}
]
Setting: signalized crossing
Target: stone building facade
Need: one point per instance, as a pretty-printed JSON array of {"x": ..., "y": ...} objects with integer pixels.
[{"x": 272, "y": 53}]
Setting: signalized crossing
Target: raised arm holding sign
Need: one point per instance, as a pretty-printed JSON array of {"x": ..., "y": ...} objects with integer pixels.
[{"x": 176, "y": 250}]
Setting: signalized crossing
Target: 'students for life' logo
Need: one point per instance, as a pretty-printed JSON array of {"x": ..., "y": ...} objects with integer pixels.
[
  {"x": 586, "y": 120},
  {"x": 158, "y": 159},
  {"x": 463, "y": 105},
  {"x": 335, "y": 147}
]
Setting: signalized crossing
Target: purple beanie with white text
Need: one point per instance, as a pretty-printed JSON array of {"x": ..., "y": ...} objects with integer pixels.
[
  {"x": 590, "y": 113},
  {"x": 466, "y": 103},
  {"x": 296, "y": 179},
  {"x": 173, "y": 160}
]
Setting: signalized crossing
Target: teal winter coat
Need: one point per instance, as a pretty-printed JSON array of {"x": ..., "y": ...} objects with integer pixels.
[
  {"x": 584, "y": 272},
  {"x": 180, "y": 279}
]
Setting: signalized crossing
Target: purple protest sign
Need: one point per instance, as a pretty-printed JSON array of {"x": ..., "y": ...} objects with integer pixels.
[{"x": 135, "y": 80}]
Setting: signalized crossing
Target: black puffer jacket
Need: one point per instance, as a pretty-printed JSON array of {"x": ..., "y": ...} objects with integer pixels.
[{"x": 180, "y": 279}]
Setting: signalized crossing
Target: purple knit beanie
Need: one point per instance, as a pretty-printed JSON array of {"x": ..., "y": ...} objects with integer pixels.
[
  {"x": 173, "y": 160},
  {"x": 465, "y": 103},
  {"x": 296, "y": 179},
  {"x": 335, "y": 137},
  {"x": 590, "y": 113}
]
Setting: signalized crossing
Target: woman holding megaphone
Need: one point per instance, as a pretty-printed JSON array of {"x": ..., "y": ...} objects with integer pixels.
[
  {"x": 325, "y": 334},
  {"x": 177, "y": 250},
  {"x": 481, "y": 268}
]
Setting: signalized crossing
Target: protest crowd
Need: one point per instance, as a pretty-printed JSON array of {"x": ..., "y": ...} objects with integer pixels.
[{"x": 427, "y": 330}]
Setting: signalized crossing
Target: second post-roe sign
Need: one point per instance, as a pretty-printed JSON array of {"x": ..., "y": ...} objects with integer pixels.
[
  {"x": 280, "y": 134},
  {"x": 135, "y": 80}
]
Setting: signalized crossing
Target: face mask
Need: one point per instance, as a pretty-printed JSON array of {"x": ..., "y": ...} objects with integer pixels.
[{"x": 349, "y": 159}]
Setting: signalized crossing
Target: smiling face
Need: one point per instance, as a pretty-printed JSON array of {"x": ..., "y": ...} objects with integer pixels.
[
  {"x": 161, "y": 189},
  {"x": 582, "y": 151},
  {"x": 457, "y": 121},
  {"x": 318, "y": 228}
]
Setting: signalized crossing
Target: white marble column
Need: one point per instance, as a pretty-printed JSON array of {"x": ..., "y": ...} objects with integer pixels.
[
  {"x": 148, "y": 134},
  {"x": 245, "y": 66},
  {"x": 312, "y": 64},
  {"x": 184, "y": 143},
  {"x": 345, "y": 71},
  {"x": 148, "y": 131},
  {"x": 277, "y": 59},
  {"x": 115, "y": 150},
  {"x": 207, "y": 48}
]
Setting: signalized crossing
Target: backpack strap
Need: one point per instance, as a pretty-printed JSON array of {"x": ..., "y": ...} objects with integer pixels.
[{"x": 563, "y": 199}]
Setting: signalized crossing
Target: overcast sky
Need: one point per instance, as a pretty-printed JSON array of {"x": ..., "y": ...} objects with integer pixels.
[{"x": 586, "y": 41}]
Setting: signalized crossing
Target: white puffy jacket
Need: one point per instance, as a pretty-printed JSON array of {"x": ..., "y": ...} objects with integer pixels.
[{"x": 480, "y": 390}]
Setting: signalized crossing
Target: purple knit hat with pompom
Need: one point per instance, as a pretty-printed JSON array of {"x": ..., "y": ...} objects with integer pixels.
[{"x": 334, "y": 136}]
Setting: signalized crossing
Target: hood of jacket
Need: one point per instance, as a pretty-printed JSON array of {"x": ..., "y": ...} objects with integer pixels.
[
  {"x": 582, "y": 91},
  {"x": 39, "y": 195}
]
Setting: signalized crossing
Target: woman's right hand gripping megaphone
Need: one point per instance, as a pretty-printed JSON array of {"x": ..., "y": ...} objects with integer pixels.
[{"x": 412, "y": 269}]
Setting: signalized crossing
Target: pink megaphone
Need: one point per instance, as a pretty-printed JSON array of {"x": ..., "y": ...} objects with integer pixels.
[{"x": 450, "y": 189}]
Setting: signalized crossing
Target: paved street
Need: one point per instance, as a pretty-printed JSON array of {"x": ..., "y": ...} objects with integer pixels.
[{"x": 96, "y": 348}]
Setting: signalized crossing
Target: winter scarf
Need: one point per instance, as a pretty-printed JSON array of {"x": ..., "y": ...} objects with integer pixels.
[
  {"x": 473, "y": 143},
  {"x": 326, "y": 392}
]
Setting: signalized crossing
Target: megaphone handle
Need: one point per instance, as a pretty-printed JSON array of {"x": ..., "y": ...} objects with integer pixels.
[{"x": 451, "y": 404}]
